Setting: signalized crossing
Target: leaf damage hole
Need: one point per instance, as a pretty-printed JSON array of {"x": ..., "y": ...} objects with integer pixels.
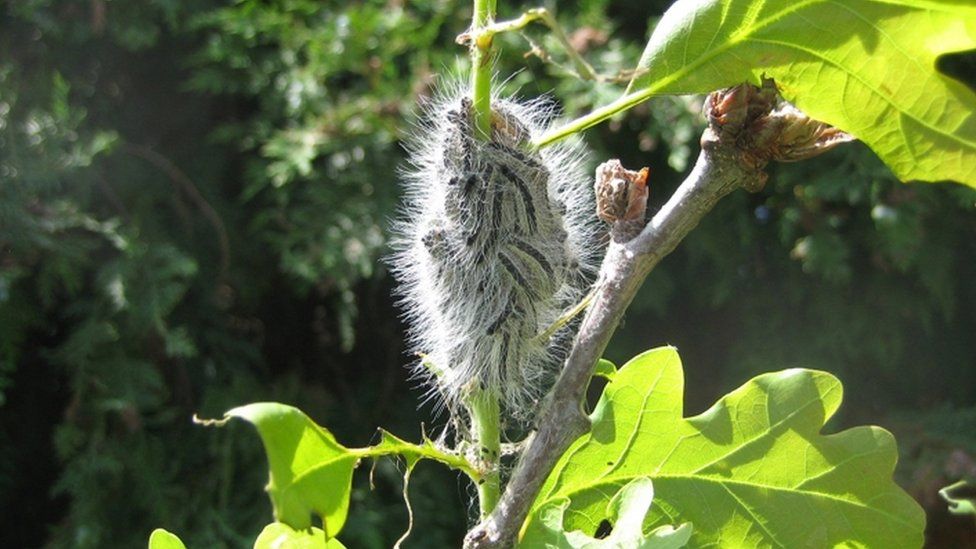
[{"x": 603, "y": 529}]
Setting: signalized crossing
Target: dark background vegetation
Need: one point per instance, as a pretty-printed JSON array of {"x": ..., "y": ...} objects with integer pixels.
[{"x": 194, "y": 202}]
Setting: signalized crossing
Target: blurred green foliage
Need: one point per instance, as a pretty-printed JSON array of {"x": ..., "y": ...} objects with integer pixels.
[{"x": 194, "y": 198}]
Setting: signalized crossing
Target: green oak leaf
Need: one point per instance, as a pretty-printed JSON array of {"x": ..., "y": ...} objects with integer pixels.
[
  {"x": 752, "y": 471},
  {"x": 626, "y": 511},
  {"x": 864, "y": 66},
  {"x": 278, "y": 535},
  {"x": 161, "y": 539},
  {"x": 311, "y": 473}
]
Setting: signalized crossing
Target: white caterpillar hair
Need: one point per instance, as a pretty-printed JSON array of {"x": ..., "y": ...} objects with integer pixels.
[{"x": 495, "y": 241}]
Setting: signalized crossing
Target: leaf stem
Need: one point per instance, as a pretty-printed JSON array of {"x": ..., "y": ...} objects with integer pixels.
[
  {"x": 394, "y": 446},
  {"x": 481, "y": 66},
  {"x": 485, "y": 416},
  {"x": 594, "y": 117},
  {"x": 565, "y": 318},
  {"x": 483, "y": 406}
]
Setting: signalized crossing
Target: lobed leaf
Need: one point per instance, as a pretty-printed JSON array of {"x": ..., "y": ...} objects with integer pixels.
[
  {"x": 311, "y": 473},
  {"x": 867, "y": 67},
  {"x": 752, "y": 471},
  {"x": 627, "y": 509}
]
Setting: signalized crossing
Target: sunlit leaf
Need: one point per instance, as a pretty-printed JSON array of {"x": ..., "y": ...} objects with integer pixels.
[
  {"x": 161, "y": 539},
  {"x": 311, "y": 473},
  {"x": 281, "y": 536},
  {"x": 626, "y": 512},
  {"x": 865, "y": 66},
  {"x": 752, "y": 471}
]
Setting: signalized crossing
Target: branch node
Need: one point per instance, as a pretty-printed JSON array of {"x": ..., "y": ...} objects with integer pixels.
[
  {"x": 761, "y": 126},
  {"x": 621, "y": 198}
]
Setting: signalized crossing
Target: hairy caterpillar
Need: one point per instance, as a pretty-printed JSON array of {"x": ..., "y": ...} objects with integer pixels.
[{"x": 495, "y": 241}]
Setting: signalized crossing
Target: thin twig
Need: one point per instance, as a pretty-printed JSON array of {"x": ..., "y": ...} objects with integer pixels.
[{"x": 583, "y": 70}]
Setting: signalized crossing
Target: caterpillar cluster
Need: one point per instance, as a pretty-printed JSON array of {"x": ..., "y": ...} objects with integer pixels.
[{"x": 495, "y": 241}]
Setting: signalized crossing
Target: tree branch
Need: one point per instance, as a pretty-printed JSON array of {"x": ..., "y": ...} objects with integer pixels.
[
  {"x": 742, "y": 137},
  {"x": 184, "y": 183}
]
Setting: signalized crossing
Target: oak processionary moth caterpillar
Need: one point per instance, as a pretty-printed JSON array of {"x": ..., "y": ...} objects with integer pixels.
[{"x": 495, "y": 241}]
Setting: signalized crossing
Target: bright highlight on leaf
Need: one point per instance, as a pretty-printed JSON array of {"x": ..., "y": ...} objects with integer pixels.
[
  {"x": 310, "y": 473},
  {"x": 627, "y": 510},
  {"x": 281, "y": 536},
  {"x": 752, "y": 471},
  {"x": 866, "y": 67}
]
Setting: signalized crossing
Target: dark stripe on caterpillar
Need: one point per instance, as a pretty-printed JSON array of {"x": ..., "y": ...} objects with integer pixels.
[
  {"x": 535, "y": 254},
  {"x": 461, "y": 119},
  {"x": 527, "y": 201},
  {"x": 503, "y": 361},
  {"x": 496, "y": 208},
  {"x": 497, "y": 323},
  {"x": 469, "y": 181},
  {"x": 516, "y": 275},
  {"x": 500, "y": 261}
]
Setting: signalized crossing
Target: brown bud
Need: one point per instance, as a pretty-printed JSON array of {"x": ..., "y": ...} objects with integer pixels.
[
  {"x": 762, "y": 127},
  {"x": 621, "y": 194},
  {"x": 802, "y": 137}
]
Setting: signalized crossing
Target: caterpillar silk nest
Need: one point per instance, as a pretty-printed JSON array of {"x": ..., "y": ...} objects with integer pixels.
[{"x": 495, "y": 242}]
